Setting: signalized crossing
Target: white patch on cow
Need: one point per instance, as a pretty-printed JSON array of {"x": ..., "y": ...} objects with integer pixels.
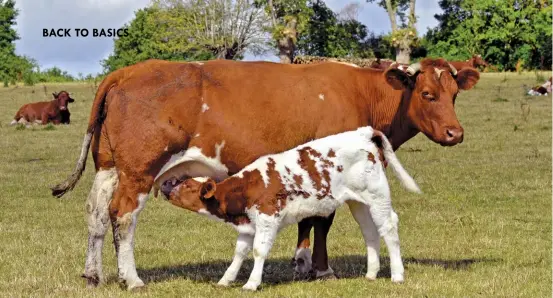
[
  {"x": 166, "y": 148},
  {"x": 14, "y": 122},
  {"x": 205, "y": 107},
  {"x": 193, "y": 163},
  {"x": 303, "y": 253},
  {"x": 38, "y": 121},
  {"x": 242, "y": 229},
  {"x": 200, "y": 179},
  {"x": 22, "y": 121},
  {"x": 197, "y": 135},
  {"x": 199, "y": 63},
  {"x": 125, "y": 258},
  {"x": 321, "y": 96},
  {"x": 438, "y": 71}
]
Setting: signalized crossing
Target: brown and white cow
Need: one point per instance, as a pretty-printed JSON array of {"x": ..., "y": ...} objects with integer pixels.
[
  {"x": 157, "y": 120},
  {"x": 543, "y": 89},
  {"x": 313, "y": 179},
  {"x": 55, "y": 111},
  {"x": 475, "y": 62},
  {"x": 385, "y": 64}
]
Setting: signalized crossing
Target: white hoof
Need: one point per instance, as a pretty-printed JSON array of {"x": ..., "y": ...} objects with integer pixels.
[
  {"x": 224, "y": 283},
  {"x": 397, "y": 278},
  {"x": 371, "y": 275},
  {"x": 136, "y": 284},
  {"x": 250, "y": 286}
]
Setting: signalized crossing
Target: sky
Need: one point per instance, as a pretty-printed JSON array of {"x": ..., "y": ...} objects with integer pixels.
[{"x": 83, "y": 54}]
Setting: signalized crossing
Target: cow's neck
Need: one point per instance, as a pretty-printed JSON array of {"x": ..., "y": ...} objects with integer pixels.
[{"x": 387, "y": 111}]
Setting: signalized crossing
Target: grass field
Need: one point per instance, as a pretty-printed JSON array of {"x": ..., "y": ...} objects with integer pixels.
[{"x": 482, "y": 227}]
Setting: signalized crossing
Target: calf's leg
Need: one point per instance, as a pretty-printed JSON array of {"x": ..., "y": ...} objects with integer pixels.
[
  {"x": 386, "y": 221},
  {"x": 129, "y": 200},
  {"x": 243, "y": 247},
  {"x": 266, "y": 228},
  {"x": 363, "y": 217},
  {"x": 97, "y": 204}
]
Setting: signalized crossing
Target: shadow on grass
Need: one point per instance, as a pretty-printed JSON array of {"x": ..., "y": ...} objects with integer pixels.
[{"x": 278, "y": 271}]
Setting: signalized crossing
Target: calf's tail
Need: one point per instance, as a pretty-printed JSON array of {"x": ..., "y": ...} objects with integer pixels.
[
  {"x": 96, "y": 118},
  {"x": 405, "y": 179}
]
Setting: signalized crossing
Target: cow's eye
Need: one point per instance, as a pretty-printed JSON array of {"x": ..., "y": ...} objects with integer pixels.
[{"x": 428, "y": 96}]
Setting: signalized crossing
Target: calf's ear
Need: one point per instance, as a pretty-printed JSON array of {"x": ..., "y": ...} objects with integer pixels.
[
  {"x": 467, "y": 78},
  {"x": 208, "y": 189},
  {"x": 398, "y": 79}
]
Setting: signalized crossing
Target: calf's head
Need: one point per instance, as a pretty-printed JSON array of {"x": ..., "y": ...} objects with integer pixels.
[
  {"x": 430, "y": 89},
  {"x": 63, "y": 99},
  {"x": 192, "y": 194}
]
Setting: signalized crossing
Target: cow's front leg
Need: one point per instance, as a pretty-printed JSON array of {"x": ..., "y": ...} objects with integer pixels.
[
  {"x": 302, "y": 257},
  {"x": 243, "y": 247},
  {"x": 129, "y": 200},
  {"x": 320, "y": 254},
  {"x": 44, "y": 118},
  {"x": 266, "y": 228}
]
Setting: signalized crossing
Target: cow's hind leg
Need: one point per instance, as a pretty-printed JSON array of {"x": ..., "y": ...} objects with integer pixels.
[
  {"x": 320, "y": 253},
  {"x": 97, "y": 204},
  {"x": 130, "y": 198},
  {"x": 363, "y": 217}
]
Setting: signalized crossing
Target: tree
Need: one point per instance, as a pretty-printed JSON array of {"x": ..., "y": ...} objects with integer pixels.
[
  {"x": 12, "y": 66},
  {"x": 146, "y": 39},
  {"x": 288, "y": 20},
  {"x": 503, "y": 32},
  {"x": 329, "y": 35},
  {"x": 404, "y": 35},
  {"x": 226, "y": 28}
]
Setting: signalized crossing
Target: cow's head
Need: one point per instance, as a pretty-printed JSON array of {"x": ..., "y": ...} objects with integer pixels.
[
  {"x": 478, "y": 61},
  {"x": 63, "y": 99},
  {"x": 431, "y": 87}
]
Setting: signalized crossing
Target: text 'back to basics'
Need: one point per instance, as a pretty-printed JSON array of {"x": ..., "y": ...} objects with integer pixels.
[{"x": 83, "y": 32}]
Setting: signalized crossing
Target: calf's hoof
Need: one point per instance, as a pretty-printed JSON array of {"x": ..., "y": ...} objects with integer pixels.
[
  {"x": 134, "y": 285},
  {"x": 302, "y": 261},
  {"x": 397, "y": 278},
  {"x": 328, "y": 274},
  {"x": 250, "y": 286},
  {"x": 223, "y": 283},
  {"x": 371, "y": 275}
]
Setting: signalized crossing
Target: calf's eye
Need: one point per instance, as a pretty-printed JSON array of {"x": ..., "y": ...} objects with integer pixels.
[{"x": 428, "y": 96}]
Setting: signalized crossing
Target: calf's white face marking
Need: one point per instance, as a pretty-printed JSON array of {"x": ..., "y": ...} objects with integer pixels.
[{"x": 321, "y": 96}]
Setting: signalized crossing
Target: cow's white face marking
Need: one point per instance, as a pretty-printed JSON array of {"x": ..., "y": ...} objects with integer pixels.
[
  {"x": 438, "y": 71},
  {"x": 205, "y": 107},
  {"x": 321, "y": 96}
]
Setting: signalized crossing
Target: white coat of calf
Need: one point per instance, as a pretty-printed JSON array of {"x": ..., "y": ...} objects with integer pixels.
[{"x": 313, "y": 179}]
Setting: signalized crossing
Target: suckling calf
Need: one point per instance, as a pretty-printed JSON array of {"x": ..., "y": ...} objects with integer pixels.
[{"x": 312, "y": 179}]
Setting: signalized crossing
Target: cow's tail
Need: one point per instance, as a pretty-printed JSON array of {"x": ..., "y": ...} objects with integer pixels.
[
  {"x": 96, "y": 118},
  {"x": 406, "y": 180}
]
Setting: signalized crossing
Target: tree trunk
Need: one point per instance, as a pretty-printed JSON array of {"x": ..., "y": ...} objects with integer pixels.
[
  {"x": 286, "y": 44},
  {"x": 403, "y": 54}
]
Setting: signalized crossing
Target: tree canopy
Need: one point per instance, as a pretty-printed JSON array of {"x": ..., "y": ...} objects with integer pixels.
[{"x": 503, "y": 32}]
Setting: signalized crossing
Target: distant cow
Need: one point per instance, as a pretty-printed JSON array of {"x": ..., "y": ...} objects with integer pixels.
[
  {"x": 544, "y": 89},
  {"x": 55, "y": 111},
  {"x": 474, "y": 62},
  {"x": 312, "y": 179},
  {"x": 385, "y": 64}
]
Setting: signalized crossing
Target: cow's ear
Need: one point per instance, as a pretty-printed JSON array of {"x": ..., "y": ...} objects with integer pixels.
[
  {"x": 208, "y": 189},
  {"x": 71, "y": 100},
  {"x": 398, "y": 79},
  {"x": 467, "y": 78},
  {"x": 55, "y": 95}
]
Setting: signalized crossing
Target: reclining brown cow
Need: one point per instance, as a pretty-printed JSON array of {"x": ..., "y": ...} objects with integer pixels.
[{"x": 55, "y": 111}]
